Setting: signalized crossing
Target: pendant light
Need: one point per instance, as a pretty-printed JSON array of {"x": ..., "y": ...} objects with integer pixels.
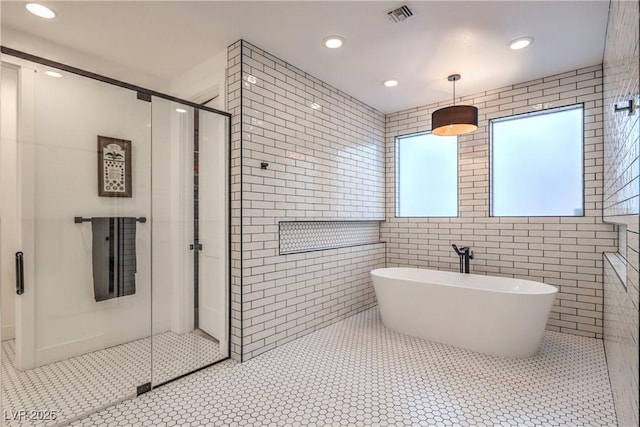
[{"x": 454, "y": 120}]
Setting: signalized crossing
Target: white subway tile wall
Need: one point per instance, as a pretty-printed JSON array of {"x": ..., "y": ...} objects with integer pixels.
[
  {"x": 562, "y": 251},
  {"x": 621, "y": 347},
  {"x": 621, "y": 204},
  {"x": 324, "y": 153},
  {"x": 234, "y": 67},
  {"x": 325, "y": 156}
]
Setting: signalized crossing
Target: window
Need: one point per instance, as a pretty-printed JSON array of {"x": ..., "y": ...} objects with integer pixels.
[
  {"x": 426, "y": 175},
  {"x": 537, "y": 163}
]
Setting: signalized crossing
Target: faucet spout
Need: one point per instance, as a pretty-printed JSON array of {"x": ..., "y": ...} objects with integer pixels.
[{"x": 465, "y": 253}]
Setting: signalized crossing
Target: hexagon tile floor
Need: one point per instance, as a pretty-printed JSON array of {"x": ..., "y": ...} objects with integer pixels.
[
  {"x": 75, "y": 386},
  {"x": 358, "y": 373}
]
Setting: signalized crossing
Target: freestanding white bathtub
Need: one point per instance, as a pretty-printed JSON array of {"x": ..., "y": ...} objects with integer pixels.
[{"x": 492, "y": 315}]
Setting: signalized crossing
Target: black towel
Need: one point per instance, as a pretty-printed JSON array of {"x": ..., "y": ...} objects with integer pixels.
[{"x": 114, "y": 257}]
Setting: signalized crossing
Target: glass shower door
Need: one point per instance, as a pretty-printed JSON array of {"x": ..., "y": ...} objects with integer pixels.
[
  {"x": 190, "y": 269},
  {"x": 82, "y": 248}
]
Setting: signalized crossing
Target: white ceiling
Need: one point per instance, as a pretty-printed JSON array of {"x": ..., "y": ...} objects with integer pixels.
[{"x": 167, "y": 38}]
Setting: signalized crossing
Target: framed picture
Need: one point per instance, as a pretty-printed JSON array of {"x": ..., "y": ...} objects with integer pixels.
[{"x": 114, "y": 167}]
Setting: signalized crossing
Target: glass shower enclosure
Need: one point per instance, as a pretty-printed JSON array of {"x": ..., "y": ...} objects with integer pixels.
[{"x": 114, "y": 240}]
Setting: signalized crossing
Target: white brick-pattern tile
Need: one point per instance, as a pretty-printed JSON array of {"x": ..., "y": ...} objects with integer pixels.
[
  {"x": 325, "y": 155},
  {"x": 621, "y": 204},
  {"x": 562, "y": 251},
  {"x": 234, "y": 89},
  {"x": 621, "y": 345},
  {"x": 359, "y": 373}
]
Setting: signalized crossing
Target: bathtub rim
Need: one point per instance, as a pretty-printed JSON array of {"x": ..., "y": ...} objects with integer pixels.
[{"x": 545, "y": 288}]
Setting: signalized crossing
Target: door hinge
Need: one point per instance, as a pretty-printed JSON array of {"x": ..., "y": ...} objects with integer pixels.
[
  {"x": 197, "y": 246},
  {"x": 141, "y": 389},
  {"x": 144, "y": 96}
]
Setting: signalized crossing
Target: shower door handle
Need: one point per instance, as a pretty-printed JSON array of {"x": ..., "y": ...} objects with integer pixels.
[{"x": 19, "y": 273}]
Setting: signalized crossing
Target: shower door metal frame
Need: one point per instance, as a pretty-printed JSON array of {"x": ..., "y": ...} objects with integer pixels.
[{"x": 145, "y": 95}]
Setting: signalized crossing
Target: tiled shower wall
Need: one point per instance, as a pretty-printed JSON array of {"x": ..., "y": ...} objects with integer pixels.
[
  {"x": 562, "y": 251},
  {"x": 622, "y": 206},
  {"x": 234, "y": 84},
  {"x": 325, "y": 155}
]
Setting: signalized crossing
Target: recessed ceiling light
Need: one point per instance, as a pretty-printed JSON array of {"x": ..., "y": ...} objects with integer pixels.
[
  {"x": 181, "y": 110},
  {"x": 40, "y": 10},
  {"x": 520, "y": 43},
  {"x": 333, "y": 42},
  {"x": 390, "y": 83},
  {"x": 53, "y": 74}
]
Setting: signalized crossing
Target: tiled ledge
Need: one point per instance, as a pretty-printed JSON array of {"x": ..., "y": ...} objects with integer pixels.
[{"x": 619, "y": 264}]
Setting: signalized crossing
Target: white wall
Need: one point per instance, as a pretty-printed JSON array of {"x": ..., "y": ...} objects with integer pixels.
[
  {"x": 213, "y": 283},
  {"x": 203, "y": 82},
  {"x": 8, "y": 137},
  {"x": 200, "y": 83},
  {"x": 84, "y": 60}
]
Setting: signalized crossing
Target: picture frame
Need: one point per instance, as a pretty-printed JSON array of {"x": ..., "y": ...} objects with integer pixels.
[{"x": 114, "y": 167}]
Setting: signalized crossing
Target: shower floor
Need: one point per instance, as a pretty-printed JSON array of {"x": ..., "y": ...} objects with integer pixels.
[
  {"x": 80, "y": 384},
  {"x": 359, "y": 373}
]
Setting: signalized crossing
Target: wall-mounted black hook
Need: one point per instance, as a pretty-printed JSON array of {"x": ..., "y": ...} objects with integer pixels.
[
  {"x": 264, "y": 165},
  {"x": 630, "y": 107}
]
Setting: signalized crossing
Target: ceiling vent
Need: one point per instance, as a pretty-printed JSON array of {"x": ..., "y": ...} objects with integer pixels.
[{"x": 400, "y": 14}]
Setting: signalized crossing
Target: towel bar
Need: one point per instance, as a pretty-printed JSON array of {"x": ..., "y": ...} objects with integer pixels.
[{"x": 79, "y": 219}]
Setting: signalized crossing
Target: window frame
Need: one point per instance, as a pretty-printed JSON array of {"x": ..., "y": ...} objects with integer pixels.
[
  {"x": 397, "y": 139},
  {"x": 542, "y": 112}
]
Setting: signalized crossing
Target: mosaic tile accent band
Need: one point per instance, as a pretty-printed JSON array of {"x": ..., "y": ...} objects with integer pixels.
[{"x": 307, "y": 236}]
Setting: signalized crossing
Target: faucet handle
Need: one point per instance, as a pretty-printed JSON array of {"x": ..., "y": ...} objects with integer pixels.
[{"x": 464, "y": 250}]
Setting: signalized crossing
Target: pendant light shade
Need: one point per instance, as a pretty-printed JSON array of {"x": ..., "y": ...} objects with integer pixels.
[{"x": 454, "y": 120}]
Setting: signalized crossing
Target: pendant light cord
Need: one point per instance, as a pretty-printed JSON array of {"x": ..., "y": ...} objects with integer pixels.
[{"x": 454, "y": 92}]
